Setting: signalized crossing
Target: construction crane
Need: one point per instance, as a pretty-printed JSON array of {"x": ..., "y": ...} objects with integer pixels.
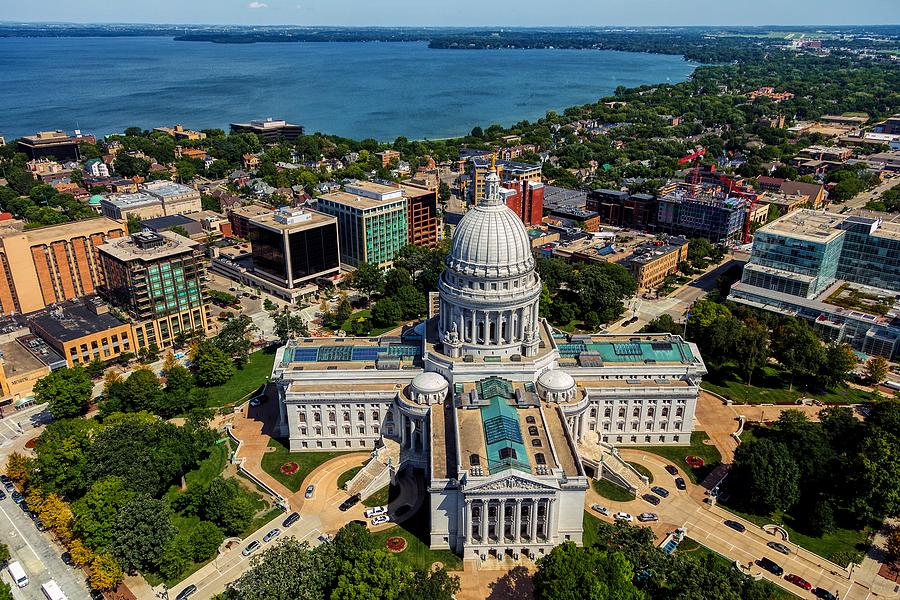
[{"x": 694, "y": 157}]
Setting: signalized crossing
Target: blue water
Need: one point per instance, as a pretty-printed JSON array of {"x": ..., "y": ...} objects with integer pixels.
[{"x": 379, "y": 90}]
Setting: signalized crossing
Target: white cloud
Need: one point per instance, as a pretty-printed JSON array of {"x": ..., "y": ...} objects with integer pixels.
[{"x": 255, "y": 5}]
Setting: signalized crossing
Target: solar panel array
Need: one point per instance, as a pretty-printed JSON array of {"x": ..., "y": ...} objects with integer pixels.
[
  {"x": 571, "y": 350},
  {"x": 336, "y": 353},
  {"x": 627, "y": 349},
  {"x": 502, "y": 429},
  {"x": 661, "y": 346}
]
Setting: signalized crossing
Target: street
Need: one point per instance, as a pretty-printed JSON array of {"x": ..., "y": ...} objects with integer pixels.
[{"x": 862, "y": 198}]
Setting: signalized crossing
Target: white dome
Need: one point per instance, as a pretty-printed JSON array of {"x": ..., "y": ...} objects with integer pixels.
[
  {"x": 555, "y": 380},
  {"x": 429, "y": 383},
  {"x": 491, "y": 240}
]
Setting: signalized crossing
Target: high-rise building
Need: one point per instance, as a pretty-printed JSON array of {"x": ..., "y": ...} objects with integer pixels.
[
  {"x": 57, "y": 144},
  {"x": 526, "y": 199},
  {"x": 621, "y": 209},
  {"x": 51, "y": 264},
  {"x": 293, "y": 247},
  {"x": 159, "y": 280},
  {"x": 509, "y": 171},
  {"x": 269, "y": 130},
  {"x": 372, "y": 222},
  {"x": 422, "y": 217}
]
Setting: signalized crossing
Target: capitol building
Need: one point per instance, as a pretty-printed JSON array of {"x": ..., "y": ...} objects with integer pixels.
[{"x": 505, "y": 419}]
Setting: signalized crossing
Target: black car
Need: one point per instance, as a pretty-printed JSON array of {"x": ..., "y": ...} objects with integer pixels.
[
  {"x": 291, "y": 519},
  {"x": 771, "y": 566},
  {"x": 349, "y": 503},
  {"x": 186, "y": 592},
  {"x": 660, "y": 491},
  {"x": 823, "y": 593},
  {"x": 739, "y": 527},
  {"x": 679, "y": 483},
  {"x": 671, "y": 470},
  {"x": 17, "y": 497},
  {"x": 651, "y": 499},
  {"x": 2, "y": 495},
  {"x": 9, "y": 486},
  {"x": 67, "y": 558}
]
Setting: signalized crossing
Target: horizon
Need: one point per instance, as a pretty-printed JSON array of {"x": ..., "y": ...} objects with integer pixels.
[
  {"x": 799, "y": 26},
  {"x": 464, "y": 13}
]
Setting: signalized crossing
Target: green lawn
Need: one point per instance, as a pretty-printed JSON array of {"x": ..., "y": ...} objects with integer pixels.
[
  {"x": 642, "y": 470},
  {"x": 771, "y": 386},
  {"x": 347, "y": 476},
  {"x": 838, "y": 546},
  {"x": 590, "y": 524},
  {"x": 307, "y": 461},
  {"x": 611, "y": 491},
  {"x": 365, "y": 314},
  {"x": 676, "y": 454},
  {"x": 382, "y": 497},
  {"x": 416, "y": 532},
  {"x": 246, "y": 381}
]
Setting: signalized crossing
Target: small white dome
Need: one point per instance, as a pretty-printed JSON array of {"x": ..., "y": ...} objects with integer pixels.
[
  {"x": 429, "y": 383},
  {"x": 555, "y": 380}
]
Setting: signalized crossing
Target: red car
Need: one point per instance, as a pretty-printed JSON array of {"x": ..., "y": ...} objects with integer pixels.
[{"x": 798, "y": 581}]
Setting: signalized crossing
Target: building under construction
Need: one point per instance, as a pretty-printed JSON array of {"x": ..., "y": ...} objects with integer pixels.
[{"x": 703, "y": 211}]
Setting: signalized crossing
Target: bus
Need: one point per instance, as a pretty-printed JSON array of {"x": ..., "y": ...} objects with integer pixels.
[{"x": 17, "y": 573}]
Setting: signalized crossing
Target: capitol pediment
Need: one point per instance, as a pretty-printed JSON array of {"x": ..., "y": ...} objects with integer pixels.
[{"x": 512, "y": 483}]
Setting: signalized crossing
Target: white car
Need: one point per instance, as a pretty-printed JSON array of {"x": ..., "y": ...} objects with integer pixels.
[
  {"x": 375, "y": 511},
  {"x": 600, "y": 509},
  {"x": 380, "y": 519},
  {"x": 623, "y": 516}
]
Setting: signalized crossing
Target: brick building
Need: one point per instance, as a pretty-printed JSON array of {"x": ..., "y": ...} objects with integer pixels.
[{"x": 422, "y": 217}]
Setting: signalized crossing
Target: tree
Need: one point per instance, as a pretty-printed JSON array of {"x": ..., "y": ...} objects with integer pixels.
[
  {"x": 212, "y": 366},
  {"x": 96, "y": 512},
  {"x": 432, "y": 585},
  {"x": 352, "y": 541},
  {"x": 290, "y": 570},
  {"x": 141, "y": 391},
  {"x": 141, "y": 532},
  {"x": 839, "y": 361},
  {"x": 61, "y": 457},
  {"x": 19, "y": 468},
  {"x": 4, "y": 554},
  {"x": 891, "y": 545},
  {"x": 223, "y": 504},
  {"x": 664, "y": 323},
  {"x": 386, "y": 312},
  {"x": 876, "y": 369},
  {"x": 81, "y": 554},
  {"x": 766, "y": 475},
  {"x": 367, "y": 278},
  {"x": 288, "y": 326},
  {"x": 411, "y": 302},
  {"x": 396, "y": 279},
  {"x": 6, "y": 591},
  {"x": 698, "y": 249},
  {"x": 703, "y": 313},
  {"x": 175, "y": 558},
  {"x": 234, "y": 338},
  {"x": 377, "y": 574},
  {"x": 169, "y": 362},
  {"x": 752, "y": 348},
  {"x": 797, "y": 348},
  {"x": 572, "y": 573},
  {"x": 131, "y": 166},
  {"x": 67, "y": 391},
  {"x": 205, "y": 539},
  {"x": 57, "y": 515},
  {"x": 105, "y": 573}
]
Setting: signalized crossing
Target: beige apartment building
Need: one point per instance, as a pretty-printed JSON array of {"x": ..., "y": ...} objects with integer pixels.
[{"x": 51, "y": 264}]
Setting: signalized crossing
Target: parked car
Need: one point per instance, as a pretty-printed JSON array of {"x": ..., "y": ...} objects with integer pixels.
[
  {"x": 291, "y": 519},
  {"x": 17, "y": 497},
  {"x": 67, "y": 558},
  {"x": 2, "y": 495},
  {"x": 671, "y": 470},
  {"x": 651, "y": 499},
  {"x": 271, "y": 535},
  {"x": 600, "y": 509},
  {"x": 798, "y": 581},
  {"x": 349, "y": 503},
  {"x": 648, "y": 517},
  {"x": 251, "y": 547},
  {"x": 770, "y": 565},
  {"x": 324, "y": 538},
  {"x": 381, "y": 519},
  {"x": 824, "y": 594},
  {"x": 623, "y": 516},
  {"x": 739, "y": 527},
  {"x": 679, "y": 483},
  {"x": 779, "y": 547},
  {"x": 660, "y": 491},
  {"x": 8, "y": 485},
  {"x": 309, "y": 491},
  {"x": 186, "y": 592},
  {"x": 375, "y": 511}
]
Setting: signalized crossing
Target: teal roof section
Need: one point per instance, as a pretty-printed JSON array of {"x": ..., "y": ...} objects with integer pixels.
[
  {"x": 633, "y": 351},
  {"x": 502, "y": 433}
]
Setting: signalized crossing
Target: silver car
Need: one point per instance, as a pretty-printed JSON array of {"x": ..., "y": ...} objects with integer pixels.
[{"x": 271, "y": 535}]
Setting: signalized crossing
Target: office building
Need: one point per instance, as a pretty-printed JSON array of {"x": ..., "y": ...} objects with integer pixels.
[
  {"x": 83, "y": 331},
  {"x": 155, "y": 199},
  {"x": 269, "y": 130},
  {"x": 652, "y": 262},
  {"x": 508, "y": 419},
  {"x": 526, "y": 200},
  {"x": 240, "y": 217},
  {"x": 621, "y": 209},
  {"x": 839, "y": 272},
  {"x": 159, "y": 280},
  {"x": 180, "y": 133},
  {"x": 718, "y": 218},
  {"x": 510, "y": 171},
  {"x": 372, "y": 222},
  {"x": 386, "y": 156},
  {"x": 56, "y": 144},
  {"x": 422, "y": 215},
  {"x": 294, "y": 247},
  {"x": 176, "y": 199},
  {"x": 52, "y": 264},
  {"x": 19, "y": 371}
]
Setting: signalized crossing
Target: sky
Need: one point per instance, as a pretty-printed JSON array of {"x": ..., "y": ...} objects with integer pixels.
[{"x": 457, "y": 12}]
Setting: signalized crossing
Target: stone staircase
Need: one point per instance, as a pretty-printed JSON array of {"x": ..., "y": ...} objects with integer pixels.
[
  {"x": 377, "y": 472},
  {"x": 609, "y": 465}
]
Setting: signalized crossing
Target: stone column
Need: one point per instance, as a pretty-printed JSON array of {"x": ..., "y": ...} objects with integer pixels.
[
  {"x": 467, "y": 520},
  {"x": 551, "y": 520},
  {"x": 517, "y": 521},
  {"x": 402, "y": 430},
  {"x": 484, "y": 521},
  {"x": 532, "y": 521},
  {"x": 486, "y": 319}
]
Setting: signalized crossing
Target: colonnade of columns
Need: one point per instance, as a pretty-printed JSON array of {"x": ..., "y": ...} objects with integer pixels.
[
  {"x": 508, "y": 520},
  {"x": 489, "y": 326},
  {"x": 578, "y": 425},
  {"x": 412, "y": 433}
]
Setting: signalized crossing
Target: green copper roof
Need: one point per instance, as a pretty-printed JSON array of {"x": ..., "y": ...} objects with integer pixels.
[{"x": 502, "y": 433}]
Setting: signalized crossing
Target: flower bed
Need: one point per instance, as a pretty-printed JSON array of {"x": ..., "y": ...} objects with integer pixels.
[
  {"x": 290, "y": 468},
  {"x": 396, "y": 544},
  {"x": 694, "y": 461}
]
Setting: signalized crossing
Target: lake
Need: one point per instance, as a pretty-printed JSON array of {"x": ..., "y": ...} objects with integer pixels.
[{"x": 358, "y": 90}]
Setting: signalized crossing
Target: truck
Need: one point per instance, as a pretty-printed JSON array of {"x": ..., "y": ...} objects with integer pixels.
[
  {"x": 52, "y": 592},
  {"x": 17, "y": 573}
]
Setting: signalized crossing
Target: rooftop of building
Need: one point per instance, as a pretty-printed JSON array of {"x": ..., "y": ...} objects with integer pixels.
[
  {"x": 47, "y": 137},
  {"x": 63, "y": 231},
  {"x": 74, "y": 320},
  {"x": 481, "y": 162},
  {"x": 291, "y": 219},
  {"x": 650, "y": 251},
  {"x": 17, "y": 360},
  {"x": 41, "y": 350},
  {"x": 625, "y": 349},
  {"x": 809, "y": 225},
  {"x": 360, "y": 202},
  {"x": 166, "y": 188},
  {"x": 134, "y": 200},
  {"x": 266, "y": 123},
  {"x": 353, "y": 353},
  {"x": 251, "y": 210},
  {"x": 373, "y": 190},
  {"x": 148, "y": 246}
]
